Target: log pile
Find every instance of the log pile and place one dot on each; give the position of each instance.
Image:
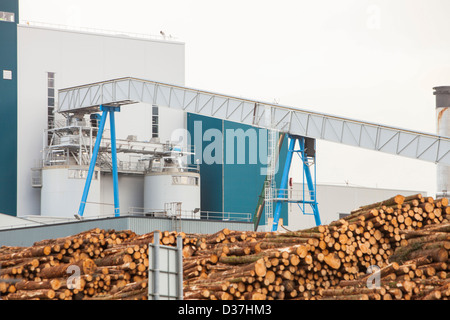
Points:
(110, 264)
(417, 271)
(406, 237)
(44, 270)
(305, 264)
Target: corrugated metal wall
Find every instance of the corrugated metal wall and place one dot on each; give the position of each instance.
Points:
(231, 186)
(8, 109)
(26, 236)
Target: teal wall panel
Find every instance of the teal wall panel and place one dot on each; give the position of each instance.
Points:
(234, 184)
(8, 109)
(211, 192)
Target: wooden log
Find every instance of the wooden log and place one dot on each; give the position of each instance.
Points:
(332, 260)
(351, 291)
(53, 284)
(116, 259)
(31, 294)
(28, 253)
(362, 296)
(86, 266)
(396, 200)
(437, 254)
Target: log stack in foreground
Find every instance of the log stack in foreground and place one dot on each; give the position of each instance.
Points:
(417, 271)
(405, 237)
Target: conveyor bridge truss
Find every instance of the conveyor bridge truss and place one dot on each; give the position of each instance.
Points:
(295, 122)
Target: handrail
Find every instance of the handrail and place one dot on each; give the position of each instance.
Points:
(204, 215)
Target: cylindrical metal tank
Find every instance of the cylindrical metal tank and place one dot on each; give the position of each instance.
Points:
(62, 188)
(443, 129)
(164, 189)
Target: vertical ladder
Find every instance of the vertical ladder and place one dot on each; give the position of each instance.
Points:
(260, 206)
(173, 210)
(272, 151)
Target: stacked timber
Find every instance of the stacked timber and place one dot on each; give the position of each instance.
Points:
(417, 271)
(406, 238)
(305, 264)
(46, 270)
(110, 264)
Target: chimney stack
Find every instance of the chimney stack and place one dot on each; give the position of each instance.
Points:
(443, 129)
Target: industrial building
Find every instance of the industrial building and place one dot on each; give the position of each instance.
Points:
(171, 156)
(46, 179)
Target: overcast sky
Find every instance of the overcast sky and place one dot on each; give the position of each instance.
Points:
(374, 60)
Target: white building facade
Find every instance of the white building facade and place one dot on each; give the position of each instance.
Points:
(50, 58)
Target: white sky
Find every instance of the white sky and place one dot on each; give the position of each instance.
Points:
(374, 60)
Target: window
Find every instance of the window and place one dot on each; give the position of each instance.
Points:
(155, 122)
(7, 74)
(50, 99)
(193, 181)
(7, 16)
(81, 174)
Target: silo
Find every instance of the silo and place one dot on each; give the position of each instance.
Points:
(443, 129)
(62, 187)
(172, 189)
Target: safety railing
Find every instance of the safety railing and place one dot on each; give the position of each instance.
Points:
(185, 214)
(293, 195)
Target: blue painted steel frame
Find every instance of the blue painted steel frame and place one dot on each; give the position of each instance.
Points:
(285, 177)
(283, 184)
(105, 110)
(114, 161)
(309, 181)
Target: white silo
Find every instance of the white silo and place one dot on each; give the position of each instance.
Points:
(172, 188)
(62, 187)
(443, 129)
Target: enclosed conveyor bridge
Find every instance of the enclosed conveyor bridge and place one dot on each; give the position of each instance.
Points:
(286, 119)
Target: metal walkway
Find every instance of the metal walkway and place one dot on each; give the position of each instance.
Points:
(117, 92)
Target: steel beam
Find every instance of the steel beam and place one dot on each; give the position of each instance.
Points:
(309, 181)
(105, 110)
(283, 183)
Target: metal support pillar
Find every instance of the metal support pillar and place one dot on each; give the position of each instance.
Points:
(105, 110)
(311, 185)
(155, 265)
(284, 181)
(114, 162)
(180, 268)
